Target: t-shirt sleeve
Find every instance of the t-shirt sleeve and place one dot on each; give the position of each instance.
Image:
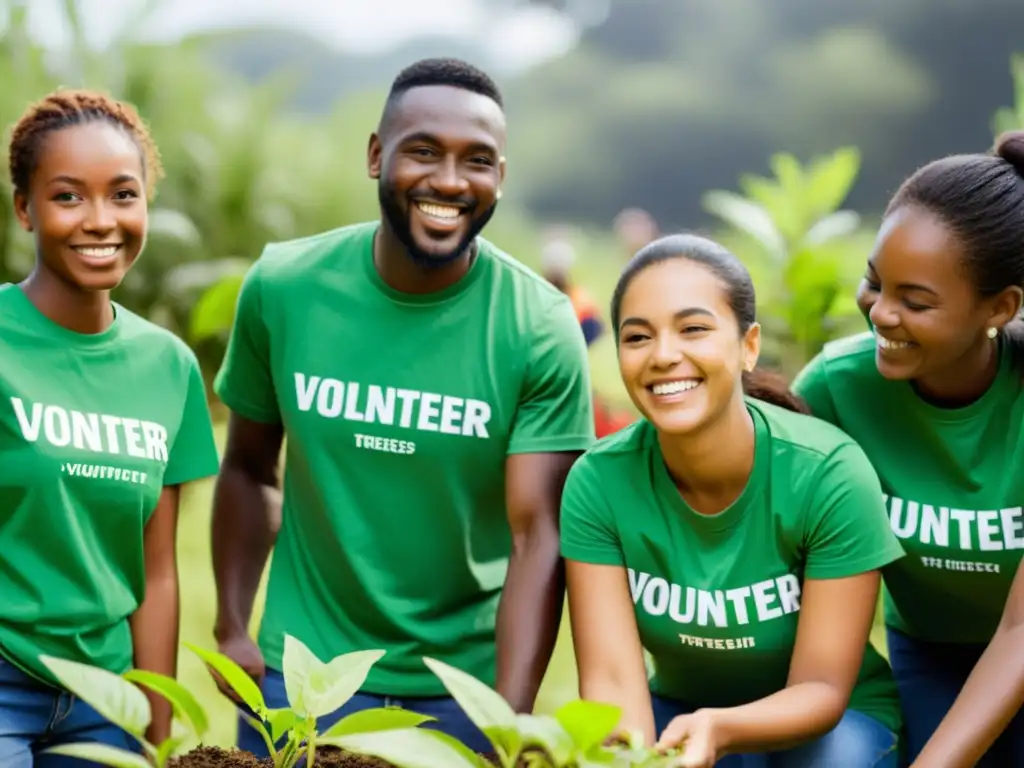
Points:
(556, 410)
(193, 454)
(847, 530)
(244, 382)
(812, 385)
(588, 530)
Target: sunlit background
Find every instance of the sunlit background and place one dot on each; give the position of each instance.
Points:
(781, 128)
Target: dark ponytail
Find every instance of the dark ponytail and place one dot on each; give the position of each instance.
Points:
(772, 388)
(760, 384)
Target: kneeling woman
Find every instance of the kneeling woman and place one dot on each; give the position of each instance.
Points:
(737, 541)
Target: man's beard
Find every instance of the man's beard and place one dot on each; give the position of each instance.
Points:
(399, 223)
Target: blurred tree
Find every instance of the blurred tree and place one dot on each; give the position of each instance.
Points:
(802, 249)
(241, 169)
(1011, 118)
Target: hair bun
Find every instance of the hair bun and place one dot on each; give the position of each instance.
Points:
(1010, 147)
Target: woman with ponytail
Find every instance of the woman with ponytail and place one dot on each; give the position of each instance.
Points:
(736, 539)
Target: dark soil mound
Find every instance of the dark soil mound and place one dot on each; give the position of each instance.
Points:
(332, 757)
(215, 757)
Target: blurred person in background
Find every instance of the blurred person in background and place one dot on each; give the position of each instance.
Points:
(557, 258)
(434, 393)
(635, 228)
(934, 394)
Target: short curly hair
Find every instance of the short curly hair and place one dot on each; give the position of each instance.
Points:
(66, 108)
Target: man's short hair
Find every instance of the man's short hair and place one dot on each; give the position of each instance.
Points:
(442, 71)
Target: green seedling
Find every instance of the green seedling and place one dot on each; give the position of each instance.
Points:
(576, 736)
(119, 699)
(314, 689)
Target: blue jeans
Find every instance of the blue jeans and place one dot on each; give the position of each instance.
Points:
(34, 717)
(858, 741)
(929, 677)
(449, 715)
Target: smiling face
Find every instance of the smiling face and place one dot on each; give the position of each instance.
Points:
(439, 164)
(86, 205)
(681, 350)
(929, 321)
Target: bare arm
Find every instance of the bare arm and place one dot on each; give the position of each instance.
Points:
(835, 622)
(531, 602)
(990, 698)
(243, 533)
(154, 625)
(609, 655)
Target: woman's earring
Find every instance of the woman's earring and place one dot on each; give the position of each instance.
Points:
(993, 332)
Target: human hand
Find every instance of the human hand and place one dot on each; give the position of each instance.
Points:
(695, 736)
(241, 649)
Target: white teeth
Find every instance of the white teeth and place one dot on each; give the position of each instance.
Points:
(885, 343)
(98, 253)
(439, 211)
(674, 387)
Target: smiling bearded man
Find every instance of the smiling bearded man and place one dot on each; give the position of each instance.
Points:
(435, 393)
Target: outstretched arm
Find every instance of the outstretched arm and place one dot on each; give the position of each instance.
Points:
(531, 602)
(847, 540)
(835, 621)
(990, 698)
(609, 655)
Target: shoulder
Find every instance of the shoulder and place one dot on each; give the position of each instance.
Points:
(804, 440)
(157, 341)
(531, 292)
(617, 453)
(849, 355)
(282, 261)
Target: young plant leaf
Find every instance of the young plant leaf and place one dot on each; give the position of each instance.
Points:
(547, 733)
(281, 721)
(376, 719)
(486, 708)
(483, 705)
(406, 747)
(184, 703)
(588, 723)
(167, 748)
(316, 689)
(297, 663)
(113, 697)
(102, 754)
(234, 676)
(459, 747)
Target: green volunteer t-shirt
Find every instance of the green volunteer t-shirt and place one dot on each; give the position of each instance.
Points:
(953, 487)
(400, 412)
(717, 597)
(92, 427)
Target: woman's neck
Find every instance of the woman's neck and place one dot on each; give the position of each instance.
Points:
(87, 312)
(965, 381)
(712, 468)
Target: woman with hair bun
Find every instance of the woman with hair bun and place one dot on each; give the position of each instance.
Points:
(934, 394)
